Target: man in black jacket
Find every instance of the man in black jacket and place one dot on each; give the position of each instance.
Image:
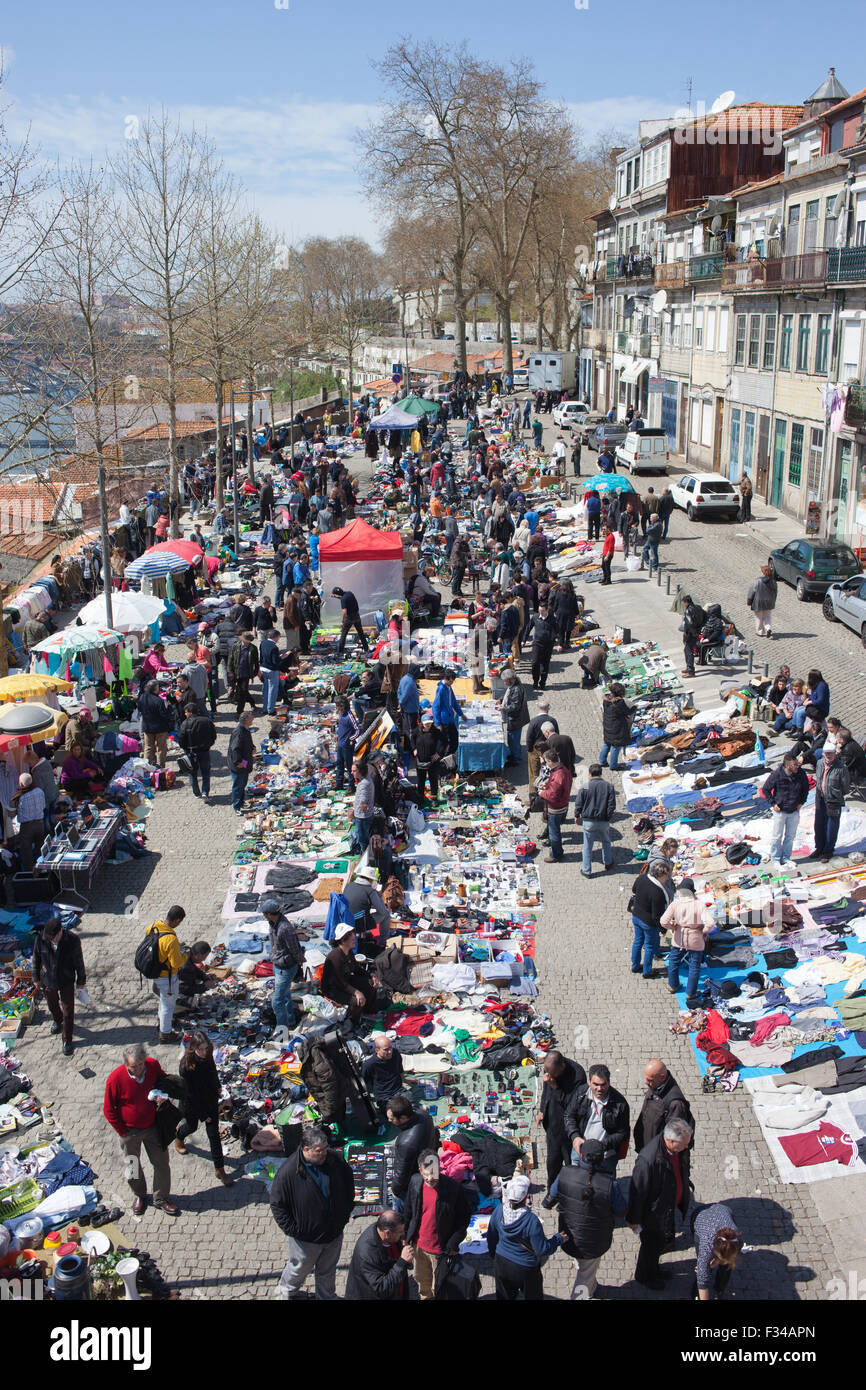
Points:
(156, 724)
(381, 1262)
(543, 633)
(416, 1132)
(694, 618)
(515, 714)
(240, 757)
(594, 807)
(58, 966)
(663, 1101)
(534, 735)
(311, 1201)
(659, 1188)
(786, 789)
(561, 1078)
(589, 1199)
(597, 1111)
(437, 1215)
(197, 736)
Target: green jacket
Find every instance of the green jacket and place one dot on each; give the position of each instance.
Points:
(234, 658)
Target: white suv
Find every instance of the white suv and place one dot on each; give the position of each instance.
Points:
(706, 494)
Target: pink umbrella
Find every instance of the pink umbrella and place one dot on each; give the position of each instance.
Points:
(187, 550)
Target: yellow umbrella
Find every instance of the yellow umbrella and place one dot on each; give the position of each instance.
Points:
(29, 686)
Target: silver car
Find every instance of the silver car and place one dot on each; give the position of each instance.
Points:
(846, 603)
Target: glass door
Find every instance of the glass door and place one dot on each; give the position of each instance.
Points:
(842, 485)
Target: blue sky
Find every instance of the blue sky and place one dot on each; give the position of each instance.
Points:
(282, 90)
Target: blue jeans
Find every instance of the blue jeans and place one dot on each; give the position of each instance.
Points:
(239, 786)
(596, 830)
(270, 690)
(799, 718)
(614, 756)
(284, 1009)
(646, 939)
(363, 826)
(650, 548)
(783, 722)
(513, 736)
(554, 830)
(666, 521)
(694, 959)
(344, 764)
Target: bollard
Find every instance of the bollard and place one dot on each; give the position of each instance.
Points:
(668, 584)
(766, 670)
(751, 660)
(659, 576)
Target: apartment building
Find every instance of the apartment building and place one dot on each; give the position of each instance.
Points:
(731, 311)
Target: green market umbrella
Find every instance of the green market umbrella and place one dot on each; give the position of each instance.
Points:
(417, 405)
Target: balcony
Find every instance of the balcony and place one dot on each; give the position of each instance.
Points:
(846, 266)
(855, 406)
(621, 341)
(596, 338)
(671, 276)
(636, 268)
(706, 267)
(780, 273)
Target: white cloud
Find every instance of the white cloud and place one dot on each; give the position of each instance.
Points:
(616, 113)
(7, 57)
(297, 158)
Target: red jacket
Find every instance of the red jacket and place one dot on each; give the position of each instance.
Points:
(609, 546)
(557, 789)
(126, 1104)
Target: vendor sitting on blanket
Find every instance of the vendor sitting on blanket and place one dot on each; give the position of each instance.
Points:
(79, 776)
(344, 980)
(154, 661)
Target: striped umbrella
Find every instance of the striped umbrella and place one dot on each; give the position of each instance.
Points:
(152, 565)
(187, 550)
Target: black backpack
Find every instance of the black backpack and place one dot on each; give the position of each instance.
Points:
(146, 959)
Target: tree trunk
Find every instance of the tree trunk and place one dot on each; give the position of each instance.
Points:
(539, 327)
(173, 490)
(219, 489)
(507, 354)
(251, 472)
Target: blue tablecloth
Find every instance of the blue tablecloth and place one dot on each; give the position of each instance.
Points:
(480, 757)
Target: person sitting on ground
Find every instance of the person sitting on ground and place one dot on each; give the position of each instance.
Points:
(344, 980)
(154, 661)
(79, 776)
(383, 1072)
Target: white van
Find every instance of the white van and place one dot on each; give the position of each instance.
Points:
(644, 451)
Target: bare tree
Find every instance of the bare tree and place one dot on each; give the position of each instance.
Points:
(416, 152)
(517, 145)
(345, 281)
(260, 311)
(165, 176)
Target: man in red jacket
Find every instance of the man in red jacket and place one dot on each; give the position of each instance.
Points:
(555, 791)
(607, 549)
(130, 1112)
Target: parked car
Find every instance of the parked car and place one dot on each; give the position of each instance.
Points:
(706, 494)
(606, 436)
(644, 451)
(438, 393)
(567, 412)
(521, 378)
(846, 603)
(584, 425)
(813, 565)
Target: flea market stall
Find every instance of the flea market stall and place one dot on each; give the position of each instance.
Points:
(365, 561)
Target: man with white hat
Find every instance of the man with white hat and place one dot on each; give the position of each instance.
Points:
(344, 980)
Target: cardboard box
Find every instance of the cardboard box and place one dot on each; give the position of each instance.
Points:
(416, 950)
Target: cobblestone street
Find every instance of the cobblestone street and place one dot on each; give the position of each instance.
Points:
(225, 1243)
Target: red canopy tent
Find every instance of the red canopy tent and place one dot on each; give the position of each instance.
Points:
(364, 560)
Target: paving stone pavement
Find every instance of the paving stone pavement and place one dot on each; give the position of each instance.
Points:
(225, 1244)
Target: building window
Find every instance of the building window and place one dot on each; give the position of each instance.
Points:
(792, 240)
(769, 342)
(676, 329)
(711, 330)
(816, 450)
(666, 330)
(822, 344)
(707, 424)
(785, 342)
(748, 440)
(687, 328)
(754, 339)
(734, 457)
(795, 457)
(724, 315)
(830, 224)
(699, 328)
(740, 345)
(810, 231)
(804, 334)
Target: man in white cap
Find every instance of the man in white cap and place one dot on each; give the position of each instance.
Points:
(344, 981)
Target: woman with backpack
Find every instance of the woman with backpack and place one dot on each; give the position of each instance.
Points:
(518, 1245)
(200, 1100)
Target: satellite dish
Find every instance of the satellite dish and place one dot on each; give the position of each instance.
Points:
(722, 103)
(839, 202)
(659, 301)
(612, 202)
(716, 224)
(773, 228)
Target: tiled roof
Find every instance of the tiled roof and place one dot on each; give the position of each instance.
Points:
(183, 428)
(434, 362)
